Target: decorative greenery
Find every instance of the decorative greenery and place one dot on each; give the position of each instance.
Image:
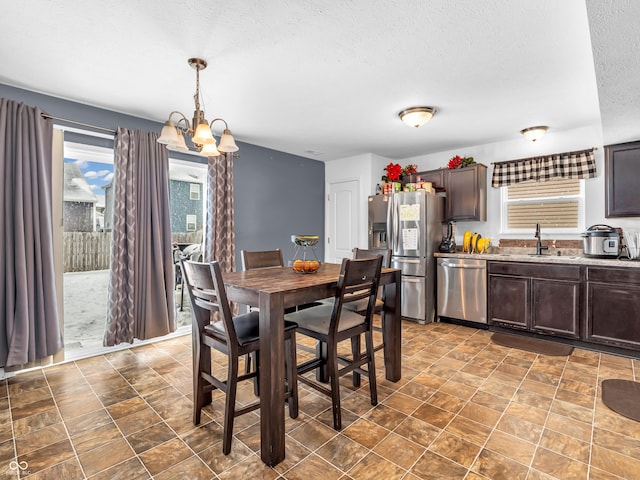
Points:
(410, 169)
(460, 162)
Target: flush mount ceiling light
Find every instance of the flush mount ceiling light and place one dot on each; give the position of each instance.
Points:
(534, 133)
(417, 116)
(199, 130)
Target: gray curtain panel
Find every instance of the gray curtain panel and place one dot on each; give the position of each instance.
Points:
(220, 242)
(141, 282)
(29, 323)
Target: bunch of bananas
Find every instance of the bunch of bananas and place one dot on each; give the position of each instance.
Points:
(473, 242)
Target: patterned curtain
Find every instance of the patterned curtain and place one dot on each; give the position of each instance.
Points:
(29, 322)
(580, 164)
(141, 283)
(220, 236)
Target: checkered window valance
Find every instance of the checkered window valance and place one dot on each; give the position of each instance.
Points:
(580, 164)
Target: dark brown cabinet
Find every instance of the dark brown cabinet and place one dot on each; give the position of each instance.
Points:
(535, 297)
(466, 190)
(436, 177)
(613, 307)
(466, 193)
(622, 177)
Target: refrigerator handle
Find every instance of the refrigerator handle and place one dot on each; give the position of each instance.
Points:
(390, 223)
(396, 226)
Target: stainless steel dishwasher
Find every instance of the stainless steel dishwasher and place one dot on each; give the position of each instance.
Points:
(462, 289)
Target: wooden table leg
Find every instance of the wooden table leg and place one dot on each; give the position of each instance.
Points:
(272, 375)
(392, 328)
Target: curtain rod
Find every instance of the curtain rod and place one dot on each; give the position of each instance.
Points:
(540, 156)
(111, 131)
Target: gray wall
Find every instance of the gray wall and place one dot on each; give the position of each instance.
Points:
(276, 194)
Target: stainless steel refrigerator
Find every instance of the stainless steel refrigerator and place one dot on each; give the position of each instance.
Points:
(410, 224)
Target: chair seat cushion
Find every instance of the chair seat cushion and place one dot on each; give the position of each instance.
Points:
(361, 305)
(247, 327)
(317, 319)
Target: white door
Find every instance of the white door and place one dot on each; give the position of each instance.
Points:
(342, 219)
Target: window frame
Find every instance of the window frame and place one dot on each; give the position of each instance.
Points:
(194, 194)
(505, 202)
(194, 222)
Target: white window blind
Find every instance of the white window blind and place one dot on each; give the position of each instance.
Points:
(556, 203)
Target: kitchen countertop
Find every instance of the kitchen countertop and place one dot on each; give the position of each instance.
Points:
(525, 257)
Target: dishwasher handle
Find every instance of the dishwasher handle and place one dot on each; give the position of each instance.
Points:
(466, 267)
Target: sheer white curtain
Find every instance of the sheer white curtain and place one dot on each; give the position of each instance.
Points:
(141, 283)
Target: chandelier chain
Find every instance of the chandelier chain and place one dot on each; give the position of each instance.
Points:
(196, 96)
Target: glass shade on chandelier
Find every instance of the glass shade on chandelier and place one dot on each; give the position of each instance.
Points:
(199, 129)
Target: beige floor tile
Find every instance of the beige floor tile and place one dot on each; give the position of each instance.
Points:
(455, 448)
(494, 465)
(399, 450)
(434, 466)
(465, 408)
(557, 465)
(313, 466)
(513, 447)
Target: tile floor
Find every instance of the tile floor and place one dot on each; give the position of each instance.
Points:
(464, 409)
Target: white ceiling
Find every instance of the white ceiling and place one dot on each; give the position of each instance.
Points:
(325, 79)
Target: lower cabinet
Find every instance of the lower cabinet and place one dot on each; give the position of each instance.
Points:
(613, 307)
(540, 298)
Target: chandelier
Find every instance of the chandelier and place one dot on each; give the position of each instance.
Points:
(199, 129)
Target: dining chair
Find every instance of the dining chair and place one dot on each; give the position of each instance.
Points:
(261, 259)
(361, 305)
(214, 327)
(191, 252)
(331, 324)
(268, 259)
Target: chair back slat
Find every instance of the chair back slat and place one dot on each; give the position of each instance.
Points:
(209, 297)
(359, 253)
(359, 278)
(262, 259)
(372, 252)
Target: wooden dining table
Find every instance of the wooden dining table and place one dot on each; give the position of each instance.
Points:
(273, 290)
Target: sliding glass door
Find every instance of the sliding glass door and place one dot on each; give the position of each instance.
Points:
(85, 202)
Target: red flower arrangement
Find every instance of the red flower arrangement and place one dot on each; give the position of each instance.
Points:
(409, 169)
(394, 171)
(460, 162)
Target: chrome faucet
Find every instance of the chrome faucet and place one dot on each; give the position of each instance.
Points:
(539, 247)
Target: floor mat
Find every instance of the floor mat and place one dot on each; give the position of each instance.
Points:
(623, 397)
(543, 347)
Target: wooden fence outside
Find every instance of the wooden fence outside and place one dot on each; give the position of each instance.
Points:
(86, 251)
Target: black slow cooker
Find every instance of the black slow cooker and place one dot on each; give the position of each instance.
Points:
(601, 241)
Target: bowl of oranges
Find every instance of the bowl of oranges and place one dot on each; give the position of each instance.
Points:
(305, 266)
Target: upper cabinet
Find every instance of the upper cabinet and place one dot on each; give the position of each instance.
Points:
(622, 177)
(436, 177)
(466, 190)
(466, 193)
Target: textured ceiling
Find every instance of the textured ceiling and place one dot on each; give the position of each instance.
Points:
(616, 53)
(322, 79)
